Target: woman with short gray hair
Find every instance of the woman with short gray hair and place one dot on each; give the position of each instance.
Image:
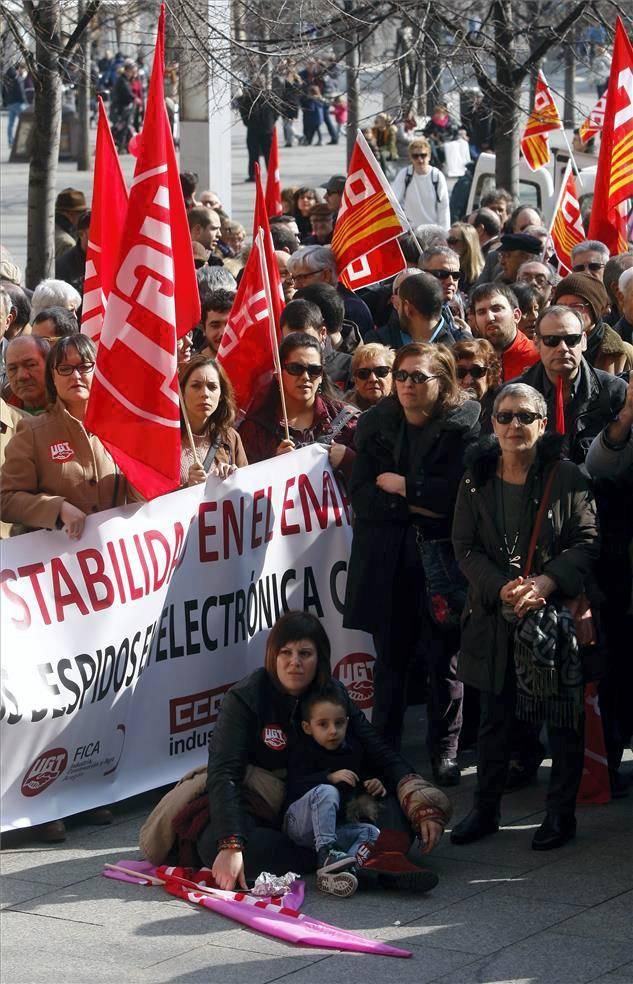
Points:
(526, 539)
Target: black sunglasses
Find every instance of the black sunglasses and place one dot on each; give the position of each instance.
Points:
(298, 369)
(420, 157)
(445, 274)
(523, 416)
(553, 341)
(477, 372)
(417, 376)
(594, 267)
(380, 372)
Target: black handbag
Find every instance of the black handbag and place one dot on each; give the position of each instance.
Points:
(444, 584)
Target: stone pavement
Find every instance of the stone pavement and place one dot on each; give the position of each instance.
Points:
(501, 914)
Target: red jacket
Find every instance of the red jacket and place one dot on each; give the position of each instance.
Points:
(518, 357)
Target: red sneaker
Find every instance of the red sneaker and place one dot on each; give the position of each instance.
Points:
(384, 864)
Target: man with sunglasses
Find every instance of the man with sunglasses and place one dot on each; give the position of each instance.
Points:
(497, 314)
(421, 189)
(589, 299)
(442, 263)
(590, 256)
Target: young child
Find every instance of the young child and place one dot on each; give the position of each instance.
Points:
(330, 799)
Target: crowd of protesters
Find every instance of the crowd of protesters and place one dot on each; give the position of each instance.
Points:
(479, 410)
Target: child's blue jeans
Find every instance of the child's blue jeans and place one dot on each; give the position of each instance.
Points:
(311, 822)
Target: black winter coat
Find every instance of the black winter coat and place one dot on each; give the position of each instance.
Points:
(309, 765)
(381, 519)
(566, 550)
(254, 727)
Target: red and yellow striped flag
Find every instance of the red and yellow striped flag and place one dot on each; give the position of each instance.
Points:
(614, 176)
(543, 118)
(594, 122)
(369, 215)
(567, 228)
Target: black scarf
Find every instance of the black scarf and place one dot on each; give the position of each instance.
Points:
(594, 341)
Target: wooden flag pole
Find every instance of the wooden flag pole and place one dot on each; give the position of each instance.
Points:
(192, 445)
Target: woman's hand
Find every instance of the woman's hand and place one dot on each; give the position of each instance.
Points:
(222, 469)
(393, 483)
(343, 775)
(532, 594)
(73, 520)
(375, 788)
(285, 446)
(336, 455)
(196, 474)
(429, 834)
(228, 870)
(506, 594)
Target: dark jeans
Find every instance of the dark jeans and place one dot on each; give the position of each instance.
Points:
(493, 753)
(411, 629)
(258, 145)
(268, 849)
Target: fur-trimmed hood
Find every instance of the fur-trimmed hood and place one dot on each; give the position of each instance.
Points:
(481, 458)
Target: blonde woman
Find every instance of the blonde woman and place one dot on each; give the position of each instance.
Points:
(463, 239)
(371, 372)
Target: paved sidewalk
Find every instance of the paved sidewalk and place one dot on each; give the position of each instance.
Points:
(501, 914)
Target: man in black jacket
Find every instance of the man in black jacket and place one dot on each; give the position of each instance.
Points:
(258, 116)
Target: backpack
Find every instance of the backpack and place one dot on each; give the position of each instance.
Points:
(435, 180)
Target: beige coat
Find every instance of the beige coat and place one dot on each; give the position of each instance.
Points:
(9, 420)
(53, 458)
(614, 355)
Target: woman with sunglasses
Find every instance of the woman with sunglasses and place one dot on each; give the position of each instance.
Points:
(463, 239)
(56, 473)
(518, 644)
(409, 451)
(314, 417)
(210, 405)
(478, 374)
(371, 372)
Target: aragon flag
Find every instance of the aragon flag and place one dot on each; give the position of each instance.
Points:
(594, 122)
(543, 118)
(567, 228)
(614, 177)
(369, 218)
(154, 299)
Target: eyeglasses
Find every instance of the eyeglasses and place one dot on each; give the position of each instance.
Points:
(298, 369)
(553, 341)
(477, 372)
(579, 307)
(83, 368)
(419, 157)
(534, 278)
(523, 416)
(417, 376)
(380, 372)
(592, 267)
(298, 277)
(455, 275)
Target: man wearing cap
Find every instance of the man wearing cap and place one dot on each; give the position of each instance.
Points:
(69, 205)
(516, 248)
(588, 297)
(497, 314)
(322, 225)
(334, 192)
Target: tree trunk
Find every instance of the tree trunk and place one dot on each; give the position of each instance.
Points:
(570, 81)
(47, 112)
(507, 149)
(352, 62)
(83, 99)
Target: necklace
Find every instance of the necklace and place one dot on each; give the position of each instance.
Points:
(514, 559)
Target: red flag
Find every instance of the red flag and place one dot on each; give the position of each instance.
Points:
(594, 122)
(567, 228)
(369, 215)
(273, 181)
(249, 343)
(109, 205)
(260, 221)
(543, 118)
(371, 268)
(614, 177)
(134, 404)
(594, 785)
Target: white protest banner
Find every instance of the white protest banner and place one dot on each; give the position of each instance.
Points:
(118, 649)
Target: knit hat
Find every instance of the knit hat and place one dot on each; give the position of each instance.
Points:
(336, 184)
(70, 200)
(583, 285)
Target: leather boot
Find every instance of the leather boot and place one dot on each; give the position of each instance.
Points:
(479, 823)
(384, 864)
(555, 831)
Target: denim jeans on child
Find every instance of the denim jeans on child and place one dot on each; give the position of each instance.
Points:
(311, 822)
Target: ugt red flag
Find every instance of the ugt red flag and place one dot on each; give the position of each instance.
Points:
(109, 205)
(273, 180)
(248, 348)
(567, 228)
(134, 404)
(369, 216)
(260, 221)
(614, 177)
(543, 118)
(594, 122)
